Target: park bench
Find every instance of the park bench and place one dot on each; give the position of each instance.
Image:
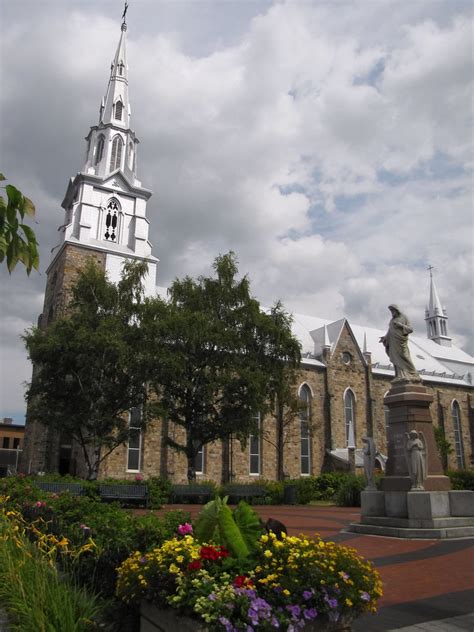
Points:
(124, 493)
(53, 487)
(191, 493)
(237, 492)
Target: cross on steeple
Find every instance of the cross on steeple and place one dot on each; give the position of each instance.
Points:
(123, 16)
(430, 268)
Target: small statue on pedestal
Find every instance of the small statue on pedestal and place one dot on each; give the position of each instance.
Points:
(369, 462)
(416, 453)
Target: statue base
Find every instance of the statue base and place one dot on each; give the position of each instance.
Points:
(409, 409)
(417, 514)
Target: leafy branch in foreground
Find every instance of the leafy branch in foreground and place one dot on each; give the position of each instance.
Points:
(17, 240)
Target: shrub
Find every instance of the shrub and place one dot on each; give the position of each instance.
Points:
(326, 485)
(274, 492)
(462, 479)
(159, 490)
(348, 494)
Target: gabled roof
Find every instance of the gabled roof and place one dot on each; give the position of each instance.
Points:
(433, 361)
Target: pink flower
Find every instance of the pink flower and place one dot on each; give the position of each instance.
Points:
(185, 528)
(83, 526)
(40, 504)
(138, 477)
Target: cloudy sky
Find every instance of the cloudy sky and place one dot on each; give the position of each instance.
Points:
(328, 143)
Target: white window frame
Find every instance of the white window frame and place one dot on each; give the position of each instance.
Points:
(349, 394)
(201, 452)
(305, 435)
(255, 440)
(134, 449)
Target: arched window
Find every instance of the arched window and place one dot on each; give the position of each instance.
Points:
(130, 156)
(305, 418)
(116, 155)
(349, 414)
(458, 446)
(112, 220)
(100, 149)
(118, 110)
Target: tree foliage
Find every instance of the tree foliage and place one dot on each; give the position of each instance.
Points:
(221, 357)
(89, 370)
(17, 239)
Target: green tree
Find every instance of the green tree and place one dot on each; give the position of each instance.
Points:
(219, 357)
(89, 370)
(17, 239)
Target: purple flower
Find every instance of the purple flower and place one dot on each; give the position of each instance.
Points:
(332, 603)
(212, 597)
(295, 611)
(310, 613)
(365, 596)
(307, 594)
(143, 560)
(227, 624)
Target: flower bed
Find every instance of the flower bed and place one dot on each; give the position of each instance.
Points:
(289, 583)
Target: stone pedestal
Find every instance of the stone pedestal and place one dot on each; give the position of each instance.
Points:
(398, 510)
(409, 409)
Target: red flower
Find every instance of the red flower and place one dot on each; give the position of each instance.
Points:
(194, 566)
(212, 553)
(242, 580)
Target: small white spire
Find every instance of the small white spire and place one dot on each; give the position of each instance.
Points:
(436, 316)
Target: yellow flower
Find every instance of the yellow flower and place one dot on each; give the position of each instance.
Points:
(349, 603)
(286, 592)
(268, 553)
(173, 569)
(180, 559)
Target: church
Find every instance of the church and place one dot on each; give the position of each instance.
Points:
(344, 373)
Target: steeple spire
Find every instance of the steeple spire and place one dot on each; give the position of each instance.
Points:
(116, 108)
(436, 317)
(105, 203)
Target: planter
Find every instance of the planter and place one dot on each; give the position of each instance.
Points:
(153, 619)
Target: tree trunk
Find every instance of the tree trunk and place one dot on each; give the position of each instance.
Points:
(225, 461)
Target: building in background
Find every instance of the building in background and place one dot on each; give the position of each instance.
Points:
(344, 371)
(11, 446)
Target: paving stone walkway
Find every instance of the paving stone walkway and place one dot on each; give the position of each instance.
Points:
(428, 584)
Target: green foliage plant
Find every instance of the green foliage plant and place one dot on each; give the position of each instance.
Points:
(462, 479)
(238, 530)
(443, 446)
(36, 597)
(17, 239)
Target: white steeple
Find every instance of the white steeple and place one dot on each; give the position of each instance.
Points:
(436, 317)
(105, 203)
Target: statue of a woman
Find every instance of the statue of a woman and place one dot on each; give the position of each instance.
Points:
(415, 451)
(395, 342)
(369, 462)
